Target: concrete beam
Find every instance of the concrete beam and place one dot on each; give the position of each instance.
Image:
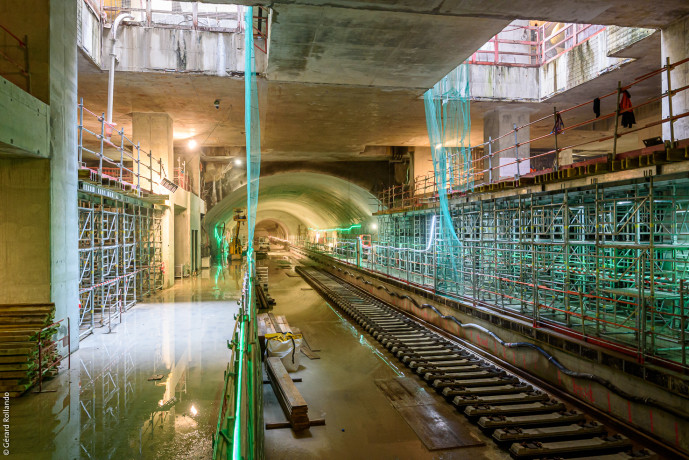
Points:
(24, 123)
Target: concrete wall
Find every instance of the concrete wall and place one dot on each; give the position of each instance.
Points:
(576, 67)
(142, 49)
(64, 219)
(154, 132)
(24, 230)
(621, 39)
(500, 83)
(423, 162)
(583, 63)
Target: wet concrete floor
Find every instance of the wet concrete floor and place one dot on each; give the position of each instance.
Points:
(105, 407)
(340, 387)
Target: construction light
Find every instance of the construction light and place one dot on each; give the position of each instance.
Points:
(192, 144)
(374, 226)
(238, 161)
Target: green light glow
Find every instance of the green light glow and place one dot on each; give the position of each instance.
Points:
(337, 229)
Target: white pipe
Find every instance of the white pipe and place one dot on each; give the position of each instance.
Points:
(111, 78)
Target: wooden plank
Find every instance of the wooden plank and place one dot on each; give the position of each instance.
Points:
(404, 391)
(309, 354)
(293, 404)
(438, 426)
(275, 323)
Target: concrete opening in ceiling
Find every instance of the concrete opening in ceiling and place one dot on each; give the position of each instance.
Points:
(296, 201)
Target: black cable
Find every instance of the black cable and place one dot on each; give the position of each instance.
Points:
(595, 378)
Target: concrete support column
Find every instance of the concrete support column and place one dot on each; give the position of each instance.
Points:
(154, 132)
(64, 219)
(497, 123)
(675, 45)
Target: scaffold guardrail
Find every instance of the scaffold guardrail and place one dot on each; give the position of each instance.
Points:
(487, 172)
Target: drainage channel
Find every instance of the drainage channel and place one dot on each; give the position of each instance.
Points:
(517, 415)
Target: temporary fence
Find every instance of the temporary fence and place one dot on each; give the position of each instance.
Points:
(524, 45)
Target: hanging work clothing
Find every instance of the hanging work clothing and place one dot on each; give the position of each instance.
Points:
(596, 107)
(559, 126)
(626, 111)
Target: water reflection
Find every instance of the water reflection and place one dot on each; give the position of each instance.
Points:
(149, 389)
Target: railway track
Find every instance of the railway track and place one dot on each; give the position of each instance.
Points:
(526, 420)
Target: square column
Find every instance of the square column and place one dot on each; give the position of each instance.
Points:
(504, 165)
(153, 130)
(675, 45)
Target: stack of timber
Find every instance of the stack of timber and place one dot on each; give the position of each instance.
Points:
(265, 301)
(292, 402)
(21, 330)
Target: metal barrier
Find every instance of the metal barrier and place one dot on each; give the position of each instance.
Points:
(543, 44)
(176, 14)
(239, 433)
(486, 169)
(109, 157)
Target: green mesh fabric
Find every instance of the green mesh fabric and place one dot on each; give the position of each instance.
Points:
(253, 133)
(449, 124)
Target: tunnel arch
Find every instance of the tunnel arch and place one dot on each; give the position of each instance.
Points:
(298, 198)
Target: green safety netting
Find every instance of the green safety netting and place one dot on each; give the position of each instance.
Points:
(253, 133)
(449, 125)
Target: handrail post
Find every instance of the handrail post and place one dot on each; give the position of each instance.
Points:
(682, 322)
(102, 140)
(669, 102)
(121, 155)
(138, 168)
(490, 159)
(617, 121)
(516, 148)
(150, 170)
(81, 132)
(556, 163)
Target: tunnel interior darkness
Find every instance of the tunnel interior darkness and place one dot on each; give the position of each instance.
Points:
(294, 200)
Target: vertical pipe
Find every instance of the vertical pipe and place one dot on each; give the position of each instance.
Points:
(81, 131)
(651, 260)
(566, 250)
(113, 59)
(121, 165)
(581, 311)
(490, 159)
(100, 154)
(138, 168)
(516, 150)
(683, 323)
(669, 101)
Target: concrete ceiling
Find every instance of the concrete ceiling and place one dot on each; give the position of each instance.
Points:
(345, 46)
(317, 122)
(298, 121)
(629, 13)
